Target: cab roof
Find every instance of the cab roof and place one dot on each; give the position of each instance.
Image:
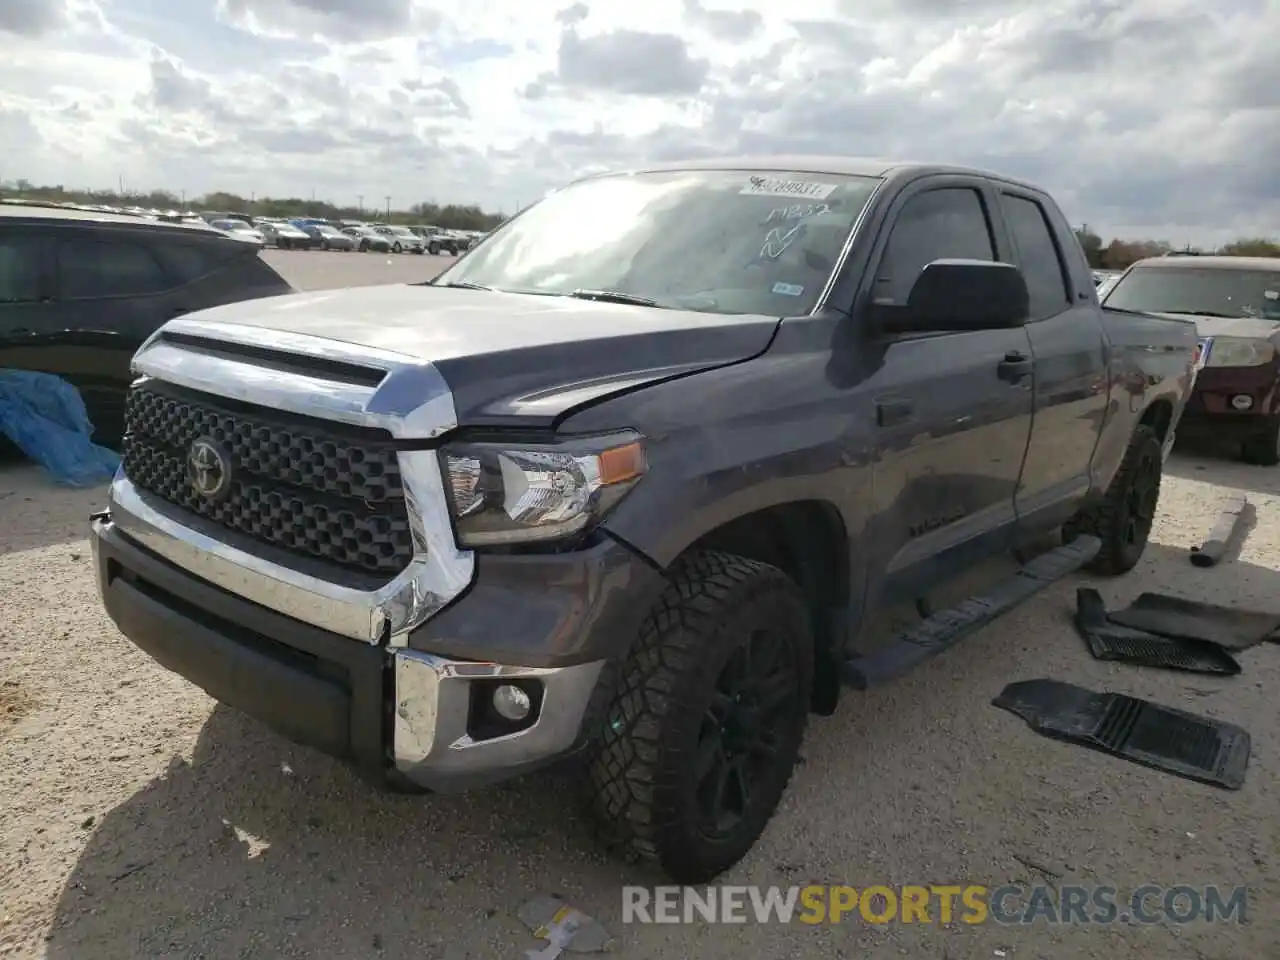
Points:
(819, 164)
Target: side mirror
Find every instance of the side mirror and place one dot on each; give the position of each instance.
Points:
(960, 295)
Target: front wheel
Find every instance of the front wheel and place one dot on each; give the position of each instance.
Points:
(1263, 450)
(1124, 518)
(434, 250)
(397, 249)
(693, 754)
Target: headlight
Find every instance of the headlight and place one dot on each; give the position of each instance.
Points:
(1240, 352)
(524, 493)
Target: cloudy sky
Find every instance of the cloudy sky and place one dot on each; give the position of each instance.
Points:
(1144, 117)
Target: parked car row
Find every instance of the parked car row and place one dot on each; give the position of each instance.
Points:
(308, 233)
(298, 233)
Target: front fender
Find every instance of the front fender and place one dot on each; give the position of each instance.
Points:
(730, 442)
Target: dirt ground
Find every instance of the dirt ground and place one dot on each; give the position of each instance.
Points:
(317, 269)
(140, 819)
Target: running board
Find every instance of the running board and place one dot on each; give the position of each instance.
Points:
(945, 628)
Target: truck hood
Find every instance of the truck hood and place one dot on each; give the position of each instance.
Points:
(512, 357)
(1257, 327)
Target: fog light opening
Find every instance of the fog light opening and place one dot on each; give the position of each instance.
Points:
(1242, 401)
(501, 707)
(511, 703)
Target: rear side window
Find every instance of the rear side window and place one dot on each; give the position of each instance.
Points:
(192, 261)
(107, 268)
(20, 269)
(1038, 256)
(950, 223)
(244, 278)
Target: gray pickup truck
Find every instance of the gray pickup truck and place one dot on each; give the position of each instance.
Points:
(625, 495)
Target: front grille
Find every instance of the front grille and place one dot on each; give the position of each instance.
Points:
(307, 486)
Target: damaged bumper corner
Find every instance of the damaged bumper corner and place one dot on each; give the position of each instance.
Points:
(396, 715)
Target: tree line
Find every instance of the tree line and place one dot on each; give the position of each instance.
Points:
(1118, 254)
(450, 216)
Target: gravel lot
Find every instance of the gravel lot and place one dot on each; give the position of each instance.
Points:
(318, 269)
(139, 819)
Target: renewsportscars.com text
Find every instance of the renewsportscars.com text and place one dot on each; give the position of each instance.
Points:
(936, 904)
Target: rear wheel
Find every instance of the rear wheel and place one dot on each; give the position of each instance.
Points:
(1124, 518)
(705, 724)
(1264, 449)
(434, 249)
(397, 248)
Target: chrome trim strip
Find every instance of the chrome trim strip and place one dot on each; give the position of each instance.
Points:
(413, 401)
(847, 250)
(430, 743)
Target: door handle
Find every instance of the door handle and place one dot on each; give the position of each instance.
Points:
(894, 410)
(1014, 366)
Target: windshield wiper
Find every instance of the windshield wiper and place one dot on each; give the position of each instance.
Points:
(613, 296)
(461, 285)
(1205, 313)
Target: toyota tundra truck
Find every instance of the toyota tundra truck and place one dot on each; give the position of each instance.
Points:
(622, 492)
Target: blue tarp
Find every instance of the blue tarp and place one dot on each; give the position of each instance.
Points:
(45, 416)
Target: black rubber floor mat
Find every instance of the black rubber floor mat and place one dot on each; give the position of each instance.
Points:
(1146, 733)
(1229, 628)
(1110, 641)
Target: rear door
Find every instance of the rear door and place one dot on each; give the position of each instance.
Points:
(26, 288)
(110, 294)
(1070, 348)
(953, 409)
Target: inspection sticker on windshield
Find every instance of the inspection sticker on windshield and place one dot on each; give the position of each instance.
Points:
(788, 289)
(780, 187)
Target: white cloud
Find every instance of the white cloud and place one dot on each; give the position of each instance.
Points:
(1154, 117)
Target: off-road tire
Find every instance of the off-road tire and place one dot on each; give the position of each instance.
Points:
(1109, 519)
(1264, 449)
(639, 777)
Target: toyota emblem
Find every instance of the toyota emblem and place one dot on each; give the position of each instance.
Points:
(208, 469)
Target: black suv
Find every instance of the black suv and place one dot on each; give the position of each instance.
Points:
(81, 290)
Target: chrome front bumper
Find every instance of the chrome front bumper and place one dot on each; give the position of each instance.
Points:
(255, 667)
(430, 742)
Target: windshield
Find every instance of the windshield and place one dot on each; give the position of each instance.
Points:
(1206, 291)
(717, 241)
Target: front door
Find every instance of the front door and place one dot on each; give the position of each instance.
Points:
(953, 410)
